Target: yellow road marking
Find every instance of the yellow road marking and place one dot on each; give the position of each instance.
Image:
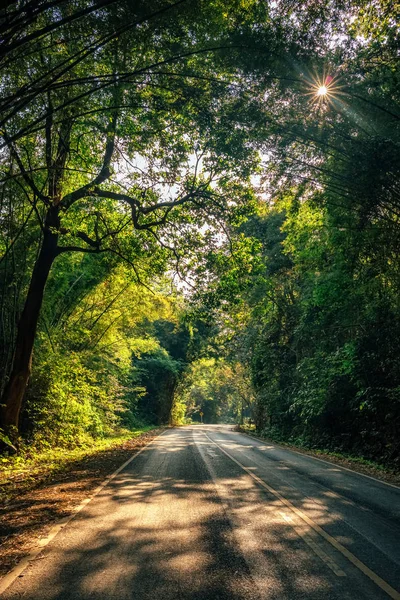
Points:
(302, 532)
(349, 555)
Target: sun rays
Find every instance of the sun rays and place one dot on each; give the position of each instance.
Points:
(323, 90)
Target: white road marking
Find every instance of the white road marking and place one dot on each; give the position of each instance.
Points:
(8, 579)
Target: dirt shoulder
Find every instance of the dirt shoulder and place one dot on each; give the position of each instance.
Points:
(354, 464)
(32, 505)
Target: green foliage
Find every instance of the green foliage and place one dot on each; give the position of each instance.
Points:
(159, 371)
(40, 461)
(186, 140)
(316, 320)
(218, 389)
(97, 329)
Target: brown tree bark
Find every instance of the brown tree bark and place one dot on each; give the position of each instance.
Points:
(14, 391)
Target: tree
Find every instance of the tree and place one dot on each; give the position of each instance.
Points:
(85, 382)
(219, 389)
(91, 91)
(317, 322)
(160, 370)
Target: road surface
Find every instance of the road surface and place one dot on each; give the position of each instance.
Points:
(205, 513)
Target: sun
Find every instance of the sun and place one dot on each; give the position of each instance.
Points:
(323, 90)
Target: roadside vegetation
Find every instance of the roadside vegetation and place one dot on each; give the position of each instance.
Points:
(372, 468)
(199, 221)
(33, 467)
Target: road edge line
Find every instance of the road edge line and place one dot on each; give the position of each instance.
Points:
(381, 583)
(12, 575)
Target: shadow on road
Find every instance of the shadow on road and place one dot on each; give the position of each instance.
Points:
(161, 530)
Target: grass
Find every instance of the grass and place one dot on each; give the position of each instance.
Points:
(356, 463)
(39, 462)
(354, 459)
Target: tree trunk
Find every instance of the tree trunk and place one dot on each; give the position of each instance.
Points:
(14, 391)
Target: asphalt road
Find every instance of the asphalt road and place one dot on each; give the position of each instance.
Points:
(205, 513)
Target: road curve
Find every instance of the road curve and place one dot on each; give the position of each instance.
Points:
(205, 513)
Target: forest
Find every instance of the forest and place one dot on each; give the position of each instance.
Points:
(200, 220)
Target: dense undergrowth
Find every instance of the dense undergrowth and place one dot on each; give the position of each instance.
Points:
(39, 462)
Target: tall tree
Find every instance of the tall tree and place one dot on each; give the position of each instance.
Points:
(116, 118)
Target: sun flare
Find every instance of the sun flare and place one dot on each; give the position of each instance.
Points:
(323, 90)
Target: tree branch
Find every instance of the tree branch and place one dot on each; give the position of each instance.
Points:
(104, 173)
(4, 49)
(63, 249)
(24, 173)
(85, 238)
(13, 241)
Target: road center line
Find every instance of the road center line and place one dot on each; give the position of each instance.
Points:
(344, 551)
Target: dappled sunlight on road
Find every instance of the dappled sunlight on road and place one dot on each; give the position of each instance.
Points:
(185, 522)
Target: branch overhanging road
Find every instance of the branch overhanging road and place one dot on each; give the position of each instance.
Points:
(205, 513)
